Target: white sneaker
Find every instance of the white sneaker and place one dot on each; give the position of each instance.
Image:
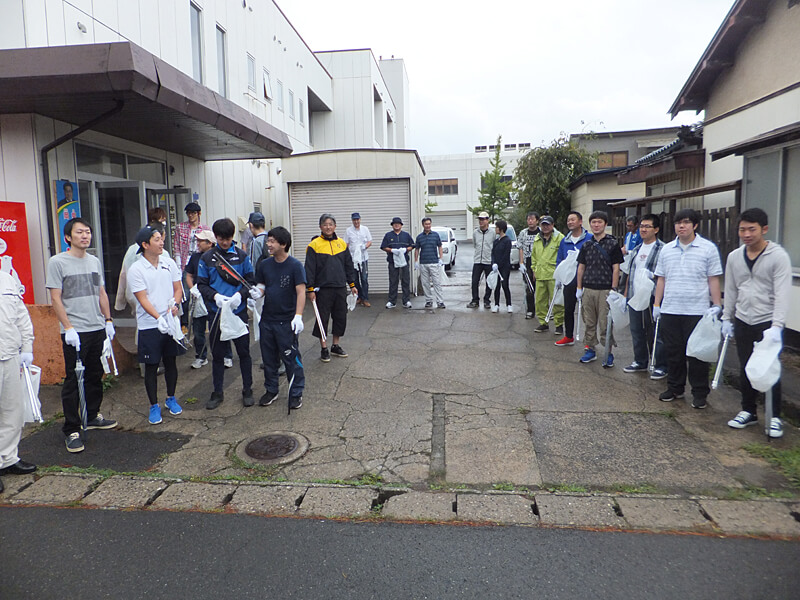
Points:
(775, 428)
(390, 305)
(510, 309)
(528, 315)
(407, 304)
(199, 362)
(228, 362)
(496, 308)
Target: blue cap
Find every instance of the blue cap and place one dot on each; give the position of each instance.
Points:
(355, 216)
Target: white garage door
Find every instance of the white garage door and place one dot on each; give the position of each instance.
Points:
(378, 201)
(456, 222)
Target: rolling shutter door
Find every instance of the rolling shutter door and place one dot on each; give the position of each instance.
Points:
(378, 201)
(458, 223)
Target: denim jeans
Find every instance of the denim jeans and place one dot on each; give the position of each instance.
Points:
(642, 331)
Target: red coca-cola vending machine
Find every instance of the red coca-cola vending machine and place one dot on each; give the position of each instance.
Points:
(15, 251)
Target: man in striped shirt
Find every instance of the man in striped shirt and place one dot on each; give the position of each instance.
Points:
(688, 287)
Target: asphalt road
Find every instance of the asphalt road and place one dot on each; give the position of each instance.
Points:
(61, 553)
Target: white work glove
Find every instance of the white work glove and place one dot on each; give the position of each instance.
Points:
(297, 324)
(656, 313)
(440, 262)
(195, 291)
(235, 301)
(71, 338)
(727, 328)
(650, 274)
(163, 326)
(578, 294)
(713, 311)
(255, 293)
(26, 358)
(774, 334)
(495, 268)
(110, 331)
(220, 300)
(416, 266)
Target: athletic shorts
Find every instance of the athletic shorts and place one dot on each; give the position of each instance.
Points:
(153, 345)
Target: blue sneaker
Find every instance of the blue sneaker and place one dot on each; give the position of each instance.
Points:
(609, 361)
(173, 406)
(589, 355)
(155, 414)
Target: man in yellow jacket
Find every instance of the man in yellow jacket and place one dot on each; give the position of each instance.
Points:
(543, 265)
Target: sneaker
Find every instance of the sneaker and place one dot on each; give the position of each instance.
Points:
(390, 305)
(295, 403)
(155, 414)
(215, 400)
(429, 305)
(267, 399)
(528, 315)
(559, 330)
(441, 305)
(669, 396)
(542, 328)
(496, 308)
(635, 367)
(199, 362)
(473, 304)
(74, 443)
(228, 362)
(325, 355)
(742, 420)
(588, 356)
(487, 305)
(658, 374)
(247, 398)
(407, 304)
(609, 362)
(100, 423)
(337, 350)
(173, 406)
(775, 428)
(699, 403)
(509, 309)
(566, 341)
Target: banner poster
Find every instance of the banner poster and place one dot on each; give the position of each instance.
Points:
(68, 206)
(15, 253)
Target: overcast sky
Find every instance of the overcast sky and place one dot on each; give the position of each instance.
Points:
(526, 69)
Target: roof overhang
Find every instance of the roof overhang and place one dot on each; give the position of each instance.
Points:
(720, 54)
(776, 137)
(672, 163)
(162, 106)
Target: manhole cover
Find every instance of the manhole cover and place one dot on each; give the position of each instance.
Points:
(273, 448)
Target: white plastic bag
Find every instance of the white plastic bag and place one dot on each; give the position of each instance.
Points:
(625, 267)
(559, 294)
(703, 344)
(32, 408)
(642, 290)
(351, 301)
(566, 270)
(492, 279)
(764, 368)
(399, 259)
(200, 309)
(231, 327)
(618, 309)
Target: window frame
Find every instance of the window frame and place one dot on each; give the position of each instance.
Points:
(196, 30)
(251, 81)
(221, 35)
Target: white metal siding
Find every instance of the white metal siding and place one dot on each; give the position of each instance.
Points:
(456, 222)
(378, 201)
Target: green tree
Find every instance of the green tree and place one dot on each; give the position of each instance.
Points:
(542, 179)
(495, 191)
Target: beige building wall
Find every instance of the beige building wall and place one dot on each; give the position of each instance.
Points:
(603, 189)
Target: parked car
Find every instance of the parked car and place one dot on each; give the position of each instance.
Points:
(449, 246)
(514, 251)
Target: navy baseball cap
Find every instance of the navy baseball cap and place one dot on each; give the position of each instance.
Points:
(355, 216)
(144, 235)
(256, 218)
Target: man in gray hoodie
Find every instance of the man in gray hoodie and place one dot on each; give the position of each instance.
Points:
(758, 285)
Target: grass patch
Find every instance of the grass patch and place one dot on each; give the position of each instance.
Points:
(503, 487)
(49, 422)
(786, 459)
(190, 400)
(644, 488)
(523, 411)
(670, 414)
(752, 492)
(566, 487)
(109, 381)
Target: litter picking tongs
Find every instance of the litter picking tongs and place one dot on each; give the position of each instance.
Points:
(652, 366)
(322, 335)
(33, 402)
(720, 362)
(527, 279)
(552, 303)
(609, 327)
(578, 321)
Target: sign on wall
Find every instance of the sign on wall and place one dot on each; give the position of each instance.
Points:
(15, 253)
(68, 206)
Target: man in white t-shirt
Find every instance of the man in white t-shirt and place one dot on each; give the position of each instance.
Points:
(358, 240)
(645, 257)
(155, 282)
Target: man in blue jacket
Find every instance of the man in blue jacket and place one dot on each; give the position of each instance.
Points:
(574, 240)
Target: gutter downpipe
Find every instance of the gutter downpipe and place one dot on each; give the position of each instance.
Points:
(48, 199)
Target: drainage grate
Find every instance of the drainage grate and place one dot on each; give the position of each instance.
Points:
(271, 447)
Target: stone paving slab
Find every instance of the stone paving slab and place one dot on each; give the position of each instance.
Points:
(125, 492)
(587, 511)
(338, 502)
(57, 489)
(267, 499)
(496, 508)
(194, 496)
(420, 506)
(14, 484)
(736, 516)
(663, 513)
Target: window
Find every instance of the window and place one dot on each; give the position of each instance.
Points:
(221, 63)
(608, 160)
(279, 94)
(291, 104)
(510, 147)
(197, 42)
(251, 72)
(480, 148)
(267, 86)
(524, 146)
(442, 187)
(302, 112)
(503, 179)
